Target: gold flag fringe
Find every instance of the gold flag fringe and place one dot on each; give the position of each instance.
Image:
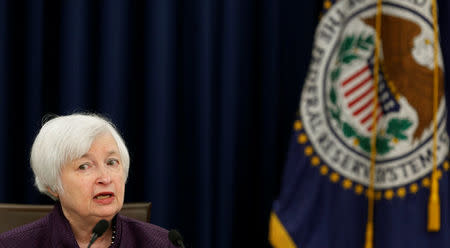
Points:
(434, 209)
(373, 139)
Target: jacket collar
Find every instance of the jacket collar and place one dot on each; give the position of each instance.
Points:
(61, 234)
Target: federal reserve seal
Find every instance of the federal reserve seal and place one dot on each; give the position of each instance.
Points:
(336, 104)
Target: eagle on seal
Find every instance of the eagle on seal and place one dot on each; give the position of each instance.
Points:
(405, 76)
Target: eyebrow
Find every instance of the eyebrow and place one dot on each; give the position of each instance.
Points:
(112, 152)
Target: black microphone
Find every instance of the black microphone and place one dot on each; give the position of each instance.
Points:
(98, 231)
(175, 238)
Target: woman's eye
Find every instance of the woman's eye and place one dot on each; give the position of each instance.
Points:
(113, 162)
(83, 167)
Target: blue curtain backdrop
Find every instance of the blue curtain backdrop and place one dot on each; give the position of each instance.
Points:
(204, 93)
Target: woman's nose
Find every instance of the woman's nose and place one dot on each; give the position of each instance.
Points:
(104, 176)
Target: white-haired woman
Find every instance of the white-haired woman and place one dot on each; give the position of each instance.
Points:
(81, 161)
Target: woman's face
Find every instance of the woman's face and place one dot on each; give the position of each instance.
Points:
(94, 184)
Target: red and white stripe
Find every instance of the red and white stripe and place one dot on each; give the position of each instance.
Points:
(358, 92)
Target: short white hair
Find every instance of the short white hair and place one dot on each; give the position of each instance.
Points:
(65, 138)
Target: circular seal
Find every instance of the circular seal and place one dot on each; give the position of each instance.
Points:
(337, 107)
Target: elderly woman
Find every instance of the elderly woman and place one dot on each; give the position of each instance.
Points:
(81, 161)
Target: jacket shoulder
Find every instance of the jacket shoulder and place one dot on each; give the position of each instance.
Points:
(142, 234)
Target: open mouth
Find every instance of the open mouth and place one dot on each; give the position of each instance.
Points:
(103, 195)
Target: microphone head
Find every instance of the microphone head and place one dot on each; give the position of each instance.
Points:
(100, 227)
(175, 238)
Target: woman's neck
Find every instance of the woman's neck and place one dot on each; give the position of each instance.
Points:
(83, 237)
(82, 231)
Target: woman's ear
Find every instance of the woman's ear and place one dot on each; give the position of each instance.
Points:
(53, 193)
